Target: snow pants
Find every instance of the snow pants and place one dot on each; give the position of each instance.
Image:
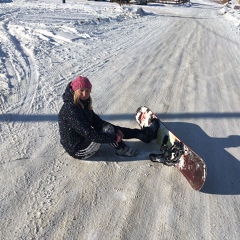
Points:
(87, 149)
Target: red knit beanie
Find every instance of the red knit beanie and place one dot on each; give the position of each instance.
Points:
(81, 82)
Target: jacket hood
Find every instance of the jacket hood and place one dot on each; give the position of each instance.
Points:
(68, 94)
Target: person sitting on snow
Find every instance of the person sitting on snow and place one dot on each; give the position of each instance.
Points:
(82, 131)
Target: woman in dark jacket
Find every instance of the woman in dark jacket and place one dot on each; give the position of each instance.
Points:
(82, 131)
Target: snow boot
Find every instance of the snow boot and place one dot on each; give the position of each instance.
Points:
(149, 133)
(127, 151)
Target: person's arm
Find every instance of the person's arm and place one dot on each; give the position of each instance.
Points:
(82, 127)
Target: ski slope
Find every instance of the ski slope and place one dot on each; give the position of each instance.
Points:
(181, 61)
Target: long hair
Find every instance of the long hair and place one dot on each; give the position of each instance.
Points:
(77, 102)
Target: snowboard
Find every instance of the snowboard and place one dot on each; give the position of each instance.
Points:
(173, 152)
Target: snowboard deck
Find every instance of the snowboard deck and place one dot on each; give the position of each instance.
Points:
(178, 154)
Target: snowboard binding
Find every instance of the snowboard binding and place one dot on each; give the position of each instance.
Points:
(168, 156)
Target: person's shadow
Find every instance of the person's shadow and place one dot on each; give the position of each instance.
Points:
(5, 1)
(223, 169)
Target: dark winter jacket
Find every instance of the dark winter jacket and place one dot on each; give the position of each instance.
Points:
(76, 124)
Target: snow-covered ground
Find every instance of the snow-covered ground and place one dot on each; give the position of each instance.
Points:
(181, 61)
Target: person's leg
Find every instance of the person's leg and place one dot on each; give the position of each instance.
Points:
(121, 148)
(147, 134)
(129, 133)
(86, 150)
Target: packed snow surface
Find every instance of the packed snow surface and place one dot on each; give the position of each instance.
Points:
(181, 61)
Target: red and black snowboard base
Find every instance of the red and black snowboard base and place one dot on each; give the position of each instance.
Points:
(173, 151)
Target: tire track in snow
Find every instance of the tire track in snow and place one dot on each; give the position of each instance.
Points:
(23, 74)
